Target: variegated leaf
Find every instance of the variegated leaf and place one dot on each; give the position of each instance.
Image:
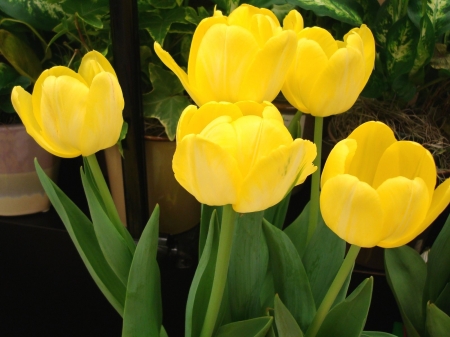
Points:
(347, 11)
(401, 47)
(416, 10)
(439, 13)
(370, 10)
(425, 46)
(389, 13)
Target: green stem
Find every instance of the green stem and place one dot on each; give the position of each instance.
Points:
(333, 291)
(315, 180)
(221, 270)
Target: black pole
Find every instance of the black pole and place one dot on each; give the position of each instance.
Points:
(125, 46)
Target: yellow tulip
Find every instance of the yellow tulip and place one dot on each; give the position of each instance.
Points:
(377, 191)
(327, 76)
(71, 114)
(244, 56)
(239, 154)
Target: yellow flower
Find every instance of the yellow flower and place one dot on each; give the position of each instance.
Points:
(327, 76)
(71, 114)
(244, 56)
(239, 154)
(377, 191)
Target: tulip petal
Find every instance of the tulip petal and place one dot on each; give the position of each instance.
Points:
(223, 58)
(264, 109)
(199, 164)
(352, 209)
(338, 86)
(275, 58)
(339, 159)
(373, 138)
(309, 62)
(321, 36)
(194, 120)
(23, 105)
(63, 109)
(256, 138)
(441, 199)
(92, 64)
(409, 160)
(293, 21)
(405, 203)
(309, 150)
(244, 14)
(103, 120)
(271, 178)
(181, 74)
(369, 48)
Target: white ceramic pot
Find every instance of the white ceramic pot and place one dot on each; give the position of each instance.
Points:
(20, 189)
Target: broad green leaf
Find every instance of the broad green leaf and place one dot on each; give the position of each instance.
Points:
(277, 213)
(262, 3)
(347, 319)
(112, 244)
(89, 11)
(158, 23)
(297, 231)
(425, 45)
(284, 321)
(226, 6)
(40, 14)
(200, 290)
(82, 233)
(438, 265)
(404, 88)
(20, 55)
(166, 101)
(438, 323)
(289, 275)
(370, 10)
(248, 266)
(376, 334)
(282, 10)
(256, 327)
(194, 16)
(143, 306)
(406, 273)
(9, 78)
(322, 259)
(443, 301)
(439, 13)
(347, 11)
(416, 11)
(377, 83)
(401, 47)
(389, 13)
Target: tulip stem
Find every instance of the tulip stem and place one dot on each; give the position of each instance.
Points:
(220, 271)
(315, 180)
(333, 291)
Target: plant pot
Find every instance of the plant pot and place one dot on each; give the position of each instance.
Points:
(180, 211)
(20, 189)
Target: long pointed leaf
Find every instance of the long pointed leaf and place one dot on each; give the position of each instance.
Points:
(143, 308)
(256, 327)
(111, 242)
(297, 231)
(438, 323)
(284, 321)
(82, 233)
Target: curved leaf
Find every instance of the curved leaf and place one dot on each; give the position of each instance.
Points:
(438, 323)
(256, 327)
(284, 321)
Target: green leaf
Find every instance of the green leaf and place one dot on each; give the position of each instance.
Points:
(82, 233)
(282, 10)
(112, 244)
(404, 88)
(163, 4)
(425, 45)
(401, 47)
(200, 290)
(347, 319)
(40, 14)
(322, 259)
(416, 11)
(166, 101)
(406, 273)
(438, 265)
(9, 78)
(256, 327)
(205, 218)
(20, 55)
(284, 321)
(347, 11)
(389, 13)
(158, 23)
(143, 306)
(443, 301)
(376, 334)
(193, 17)
(376, 85)
(439, 13)
(370, 9)
(297, 231)
(277, 213)
(249, 261)
(438, 323)
(89, 11)
(290, 279)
